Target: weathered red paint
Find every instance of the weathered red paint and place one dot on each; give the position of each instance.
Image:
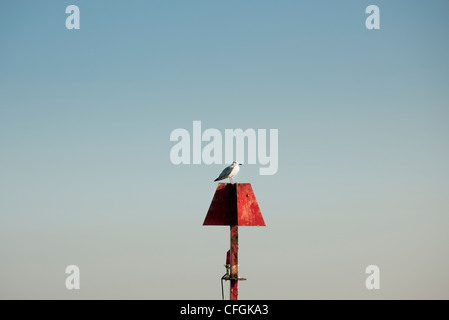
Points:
(234, 205)
(234, 262)
(227, 196)
(247, 206)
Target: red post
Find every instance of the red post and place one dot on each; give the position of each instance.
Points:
(234, 276)
(234, 262)
(234, 205)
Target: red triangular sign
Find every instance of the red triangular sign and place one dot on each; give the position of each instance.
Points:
(234, 204)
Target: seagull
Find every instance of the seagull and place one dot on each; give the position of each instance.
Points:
(229, 172)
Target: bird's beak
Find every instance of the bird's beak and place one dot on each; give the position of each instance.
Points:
(240, 164)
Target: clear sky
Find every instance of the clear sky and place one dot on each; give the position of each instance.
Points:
(85, 170)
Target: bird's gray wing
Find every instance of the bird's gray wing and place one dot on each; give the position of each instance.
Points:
(226, 171)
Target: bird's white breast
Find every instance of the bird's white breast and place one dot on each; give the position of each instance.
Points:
(234, 171)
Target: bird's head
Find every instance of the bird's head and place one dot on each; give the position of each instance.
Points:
(235, 163)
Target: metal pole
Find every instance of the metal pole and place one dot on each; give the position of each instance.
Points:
(234, 205)
(234, 245)
(234, 262)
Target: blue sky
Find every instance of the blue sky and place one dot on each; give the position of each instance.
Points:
(86, 177)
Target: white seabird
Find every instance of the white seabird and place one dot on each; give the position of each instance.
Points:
(229, 172)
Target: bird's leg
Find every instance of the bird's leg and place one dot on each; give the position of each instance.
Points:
(231, 180)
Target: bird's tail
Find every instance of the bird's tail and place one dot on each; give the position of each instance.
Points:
(216, 179)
